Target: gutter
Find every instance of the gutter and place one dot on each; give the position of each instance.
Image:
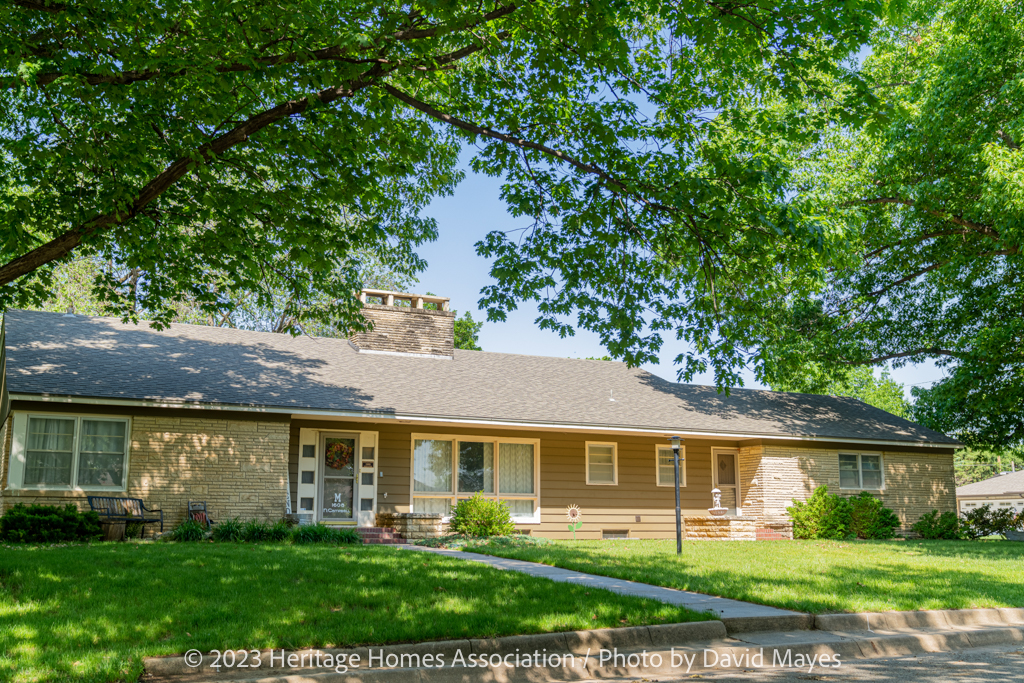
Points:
(369, 415)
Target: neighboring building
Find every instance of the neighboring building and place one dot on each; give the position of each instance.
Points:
(1001, 491)
(397, 420)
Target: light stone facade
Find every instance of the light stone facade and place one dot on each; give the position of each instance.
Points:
(720, 528)
(412, 525)
(238, 467)
(772, 477)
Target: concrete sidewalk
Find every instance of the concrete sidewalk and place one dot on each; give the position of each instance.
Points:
(723, 608)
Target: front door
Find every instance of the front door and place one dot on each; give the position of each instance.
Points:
(338, 483)
(725, 478)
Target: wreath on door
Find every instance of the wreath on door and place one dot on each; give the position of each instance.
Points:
(339, 455)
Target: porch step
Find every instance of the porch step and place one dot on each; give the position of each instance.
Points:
(379, 536)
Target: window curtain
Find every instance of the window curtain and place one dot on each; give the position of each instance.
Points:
(101, 456)
(515, 468)
(432, 466)
(51, 443)
(667, 467)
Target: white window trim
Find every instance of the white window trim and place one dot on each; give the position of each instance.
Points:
(17, 460)
(682, 466)
(860, 471)
(615, 463)
(455, 495)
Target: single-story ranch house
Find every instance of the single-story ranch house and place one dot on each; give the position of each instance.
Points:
(396, 420)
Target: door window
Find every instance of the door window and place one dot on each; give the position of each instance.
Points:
(338, 478)
(726, 469)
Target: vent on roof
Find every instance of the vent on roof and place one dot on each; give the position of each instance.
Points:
(406, 324)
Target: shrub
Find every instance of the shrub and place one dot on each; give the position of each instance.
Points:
(479, 517)
(49, 524)
(870, 519)
(228, 530)
(279, 531)
(321, 533)
(513, 541)
(255, 531)
(934, 526)
(188, 530)
(985, 521)
(823, 516)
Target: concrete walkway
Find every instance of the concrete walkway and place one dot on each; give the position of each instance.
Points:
(698, 602)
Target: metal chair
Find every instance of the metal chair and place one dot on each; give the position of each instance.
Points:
(197, 512)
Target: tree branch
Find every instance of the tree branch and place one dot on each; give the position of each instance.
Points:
(62, 245)
(333, 53)
(931, 351)
(43, 6)
(503, 137)
(956, 220)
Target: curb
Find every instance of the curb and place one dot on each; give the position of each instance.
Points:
(949, 618)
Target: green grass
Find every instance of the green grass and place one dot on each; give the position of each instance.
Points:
(809, 576)
(91, 613)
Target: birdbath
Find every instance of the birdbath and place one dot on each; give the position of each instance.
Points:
(717, 510)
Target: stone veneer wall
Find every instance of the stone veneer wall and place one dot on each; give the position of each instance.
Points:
(720, 528)
(400, 329)
(412, 525)
(238, 467)
(772, 477)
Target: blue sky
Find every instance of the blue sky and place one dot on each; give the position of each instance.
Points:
(457, 272)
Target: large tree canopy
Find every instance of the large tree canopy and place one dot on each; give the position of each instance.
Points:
(264, 141)
(932, 194)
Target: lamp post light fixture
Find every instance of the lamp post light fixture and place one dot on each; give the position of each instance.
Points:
(675, 441)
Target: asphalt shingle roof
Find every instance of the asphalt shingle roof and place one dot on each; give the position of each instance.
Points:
(52, 354)
(1003, 484)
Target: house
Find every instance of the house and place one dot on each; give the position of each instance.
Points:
(398, 421)
(1004, 490)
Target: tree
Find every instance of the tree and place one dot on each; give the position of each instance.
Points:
(81, 285)
(860, 382)
(931, 194)
(260, 143)
(977, 464)
(467, 332)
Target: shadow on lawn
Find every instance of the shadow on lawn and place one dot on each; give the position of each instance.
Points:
(107, 606)
(906, 580)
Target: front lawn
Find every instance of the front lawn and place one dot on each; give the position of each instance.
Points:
(91, 613)
(808, 576)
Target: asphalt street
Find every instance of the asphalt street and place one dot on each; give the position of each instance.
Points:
(1004, 663)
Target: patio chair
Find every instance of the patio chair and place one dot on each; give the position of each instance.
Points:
(197, 512)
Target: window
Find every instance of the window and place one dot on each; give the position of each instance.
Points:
(447, 469)
(602, 464)
(666, 466)
(860, 471)
(73, 452)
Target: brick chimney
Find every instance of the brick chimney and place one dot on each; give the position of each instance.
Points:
(406, 324)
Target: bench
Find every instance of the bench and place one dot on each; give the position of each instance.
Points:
(132, 510)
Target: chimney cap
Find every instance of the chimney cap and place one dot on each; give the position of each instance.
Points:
(415, 300)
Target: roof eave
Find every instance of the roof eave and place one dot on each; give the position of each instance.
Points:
(427, 419)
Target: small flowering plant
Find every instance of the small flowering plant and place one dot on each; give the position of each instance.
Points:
(575, 518)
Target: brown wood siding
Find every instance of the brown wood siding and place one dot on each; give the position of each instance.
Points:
(562, 478)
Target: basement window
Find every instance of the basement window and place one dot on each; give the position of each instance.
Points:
(612, 534)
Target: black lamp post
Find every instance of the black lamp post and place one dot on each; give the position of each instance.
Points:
(675, 441)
